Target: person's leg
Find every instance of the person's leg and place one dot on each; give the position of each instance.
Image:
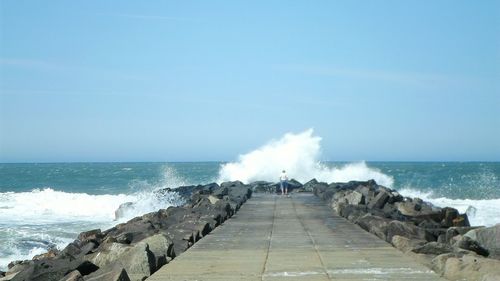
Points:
(286, 187)
(282, 187)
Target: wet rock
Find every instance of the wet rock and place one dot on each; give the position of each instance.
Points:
(76, 250)
(51, 254)
(48, 270)
(92, 235)
(19, 266)
(123, 210)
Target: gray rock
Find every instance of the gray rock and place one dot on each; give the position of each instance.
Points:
(160, 246)
(52, 269)
(405, 244)
(72, 276)
(415, 208)
(433, 248)
(76, 250)
(355, 198)
(488, 237)
(407, 230)
(91, 235)
(467, 243)
(375, 225)
(466, 267)
(138, 260)
(114, 272)
(453, 218)
(351, 212)
(454, 231)
(379, 200)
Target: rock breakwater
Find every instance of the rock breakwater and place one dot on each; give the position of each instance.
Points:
(440, 238)
(136, 249)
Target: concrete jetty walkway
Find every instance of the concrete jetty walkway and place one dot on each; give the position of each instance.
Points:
(296, 238)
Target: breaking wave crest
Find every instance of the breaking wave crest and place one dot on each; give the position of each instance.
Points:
(299, 155)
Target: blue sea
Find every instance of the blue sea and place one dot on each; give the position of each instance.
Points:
(47, 205)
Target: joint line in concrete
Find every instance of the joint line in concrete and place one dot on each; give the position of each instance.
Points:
(312, 240)
(264, 267)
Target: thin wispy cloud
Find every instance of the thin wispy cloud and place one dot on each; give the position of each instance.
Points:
(411, 78)
(28, 63)
(149, 17)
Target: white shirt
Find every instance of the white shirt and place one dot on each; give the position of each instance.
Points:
(283, 177)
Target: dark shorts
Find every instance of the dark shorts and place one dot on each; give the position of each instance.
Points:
(284, 184)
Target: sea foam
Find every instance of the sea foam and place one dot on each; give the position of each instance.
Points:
(479, 211)
(299, 155)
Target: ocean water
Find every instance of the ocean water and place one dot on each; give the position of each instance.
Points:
(47, 205)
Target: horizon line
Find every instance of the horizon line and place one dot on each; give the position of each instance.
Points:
(228, 161)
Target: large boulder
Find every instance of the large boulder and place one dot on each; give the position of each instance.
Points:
(467, 243)
(94, 235)
(487, 237)
(113, 272)
(161, 247)
(263, 187)
(379, 201)
(408, 230)
(53, 269)
(375, 225)
(405, 244)
(312, 184)
(351, 212)
(418, 209)
(138, 260)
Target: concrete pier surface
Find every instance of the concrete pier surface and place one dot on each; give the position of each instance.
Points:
(295, 238)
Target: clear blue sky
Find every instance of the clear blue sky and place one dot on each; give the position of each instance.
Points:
(207, 80)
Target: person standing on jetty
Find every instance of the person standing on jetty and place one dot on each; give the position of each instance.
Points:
(284, 183)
